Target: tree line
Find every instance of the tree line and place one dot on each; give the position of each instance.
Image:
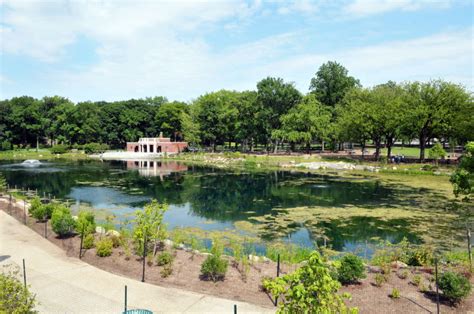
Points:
(336, 109)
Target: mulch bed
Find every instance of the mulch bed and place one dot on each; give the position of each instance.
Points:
(186, 270)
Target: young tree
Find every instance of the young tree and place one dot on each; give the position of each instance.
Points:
(304, 123)
(463, 178)
(331, 83)
(149, 224)
(310, 289)
(437, 152)
(275, 98)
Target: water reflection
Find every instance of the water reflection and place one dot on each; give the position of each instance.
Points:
(213, 199)
(154, 168)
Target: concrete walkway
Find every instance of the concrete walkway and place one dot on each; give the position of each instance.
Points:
(67, 285)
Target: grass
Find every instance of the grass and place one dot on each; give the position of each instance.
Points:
(42, 154)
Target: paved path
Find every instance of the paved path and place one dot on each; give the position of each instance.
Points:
(68, 285)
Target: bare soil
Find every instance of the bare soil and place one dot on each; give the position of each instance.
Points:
(247, 287)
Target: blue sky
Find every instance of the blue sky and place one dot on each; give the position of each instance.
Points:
(115, 49)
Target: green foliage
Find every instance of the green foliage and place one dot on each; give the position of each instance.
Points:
(88, 241)
(104, 247)
(310, 289)
(59, 149)
(351, 269)
(149, 223)
(35, 205)
(5, 145)
(164, 258)
(380, 279)
(95, 148)
(288, 252)
(85, 222)
(420, 256)
(3, 184)
(455, 286)
(166, 271)
(395, 293)
(14, 296)
(437, 152)
(331, 83)
(463, 178)
(416, 280)
(404, 274)
(214, 268)
(44, 211)
(61, 220)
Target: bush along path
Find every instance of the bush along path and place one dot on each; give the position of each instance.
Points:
(399, 277)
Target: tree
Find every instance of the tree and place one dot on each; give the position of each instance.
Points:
(433, 109)
(14, 296)
(304, 123)
(169, 119)
(190, 128)
(310, 289)
(149, 225)
(248, 125)
(437, 152)
(463, 178)
(216, 114)
(331, 83)
(275, 98)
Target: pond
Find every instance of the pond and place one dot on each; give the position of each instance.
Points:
(210, 198)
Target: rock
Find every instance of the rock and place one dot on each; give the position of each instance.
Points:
(205, 254)
(398, 264)
(266, 259)
(168, 242)
(114, 233)
(196, 252)
(254, 258)
(181, 246)
(100, 230)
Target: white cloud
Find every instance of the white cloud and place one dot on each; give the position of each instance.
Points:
(360, 8)
(298, 6)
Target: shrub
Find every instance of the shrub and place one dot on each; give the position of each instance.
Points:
(94, 148)
(85, 222)
(403, 274)
(416, 280)
(88, 241)
(34, 205)
(164, 258)
(310, 289)
(379, 280)
(166, 271)
(351, 269)
(44, 211)
(116, 241)
(6, 145)
(214, 268)
(62, 222)
(14, 296)
(395, 293)
(455, 286)
(59, 149)
(420, 256)
(104, 247)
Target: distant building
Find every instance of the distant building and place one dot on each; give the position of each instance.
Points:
(156, 145)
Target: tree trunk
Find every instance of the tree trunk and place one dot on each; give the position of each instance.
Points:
(213, 147)
(276, 147)
(363, 149)
(322, 146)
(389, 148)
(422, 147)
(37, 143)
(377, 150)
(308, 148)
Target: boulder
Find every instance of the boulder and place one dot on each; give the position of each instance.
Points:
(399, 264)
(100, 230)
(168, 242)
(254, 258)
(114, 233)
(181, 246)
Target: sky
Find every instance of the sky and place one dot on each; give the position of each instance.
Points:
(116, 49)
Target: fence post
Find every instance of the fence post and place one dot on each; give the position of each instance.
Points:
(125, 308)
(24, 273)
(278, 275)
(24, 212)
(82, 239)
(144, 257)
(46, 228)
(437, 292)
(235, 308)
(469, 248)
